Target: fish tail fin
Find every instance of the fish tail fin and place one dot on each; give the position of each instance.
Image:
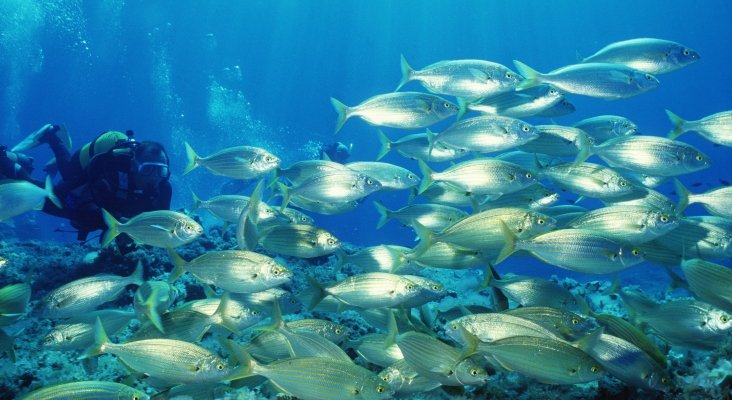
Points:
(342, 111)
(590, 340)
(510, 246)
(178, 265)
(277, 323)
(462, 108)
(247, 364)
(678, 122)
(585, 148)
(221, 316)
(284, 191)
(192, 159)
(392, 331)
(318, 292)
(684, 194)
(490, 276)
(100, 341)
(431, 137)
(406, 72)
(137, 277)
(427, 180)
(151, 311)
(112, 228)
(341, 258)
(385, 144)
(196, 202)
(531, 76)
(426, 239)
(384, 214)
(49, 192)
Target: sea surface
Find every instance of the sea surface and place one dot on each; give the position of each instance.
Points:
(218, 74)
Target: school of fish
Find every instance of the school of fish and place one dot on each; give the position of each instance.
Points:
(472, 213)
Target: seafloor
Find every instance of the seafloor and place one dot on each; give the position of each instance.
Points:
(700, 375)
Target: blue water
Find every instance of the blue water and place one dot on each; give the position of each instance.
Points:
(224, 73)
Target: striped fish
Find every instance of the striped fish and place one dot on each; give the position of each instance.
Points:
(486, 134)
(417, 147)
(716, 128)
(316, 378)
(562, 323)
(13, 302)
(172, 361)
(634, 224)
(710, 282)
(547, 360)
(407, 110)
(235, 271)
(298, 240)
(240, 162)
(161, 228)
(479, 176)
(404, 379)
(577, 250)
(604, 127)
(86, 390)
(434, 359)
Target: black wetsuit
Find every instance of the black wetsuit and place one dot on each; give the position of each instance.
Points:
(102, 184)
(105, 184)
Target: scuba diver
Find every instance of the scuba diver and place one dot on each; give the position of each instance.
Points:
(112, 172)
(337, 152)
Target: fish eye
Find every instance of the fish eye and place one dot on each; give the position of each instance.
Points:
(450, 372)
(255, 312)
(276, 272)
(331, 241)
(370, 181)
(573, 371)
(254, 276)
(699, 157)
(410, 286)
(686, 52)
(473, 371)
(664, 218)
(454, 327)
(380, 389)
(196, 368)
(664, 380)
(553, 91)
(355, 392)
(509, 75)
(575, 321)
(623, 183)
(135, 397)
(635, 252)
(337, 331)
(649, 77)
(540, 221)
(219, 366)
(529, 175)
(594, 369)
(435, 287)
(525, 128)
(385, 379)
(724, 318)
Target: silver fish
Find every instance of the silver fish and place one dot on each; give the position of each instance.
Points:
(590, 180)
(716, 201)
(530, 291)
(516, 104)
(417, 147)
(162, 228)
(471, 79)
(302, 170)
(563, 107)
(390, 176)
(716, 128)
(152, 299)
(236, 271)
(558, 141)
(486, 134)
(577, 250)
(368, 290)
(652, 155)
(405, 379)
(604, 127)
(380, 258)
(654, 56)
(635, 224)
(13, 302)
(436, 360)
(79, 334)
(480, 176)
(240, 162)
(332, 187)
(85, 294)
(407, 110)
(710, 282)
(700, 237)
(535, 197)
(434, 217)
(600, 80)
(18, 197)
(688, 323)
(298, 240)
(86, 390)
(228, 208)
